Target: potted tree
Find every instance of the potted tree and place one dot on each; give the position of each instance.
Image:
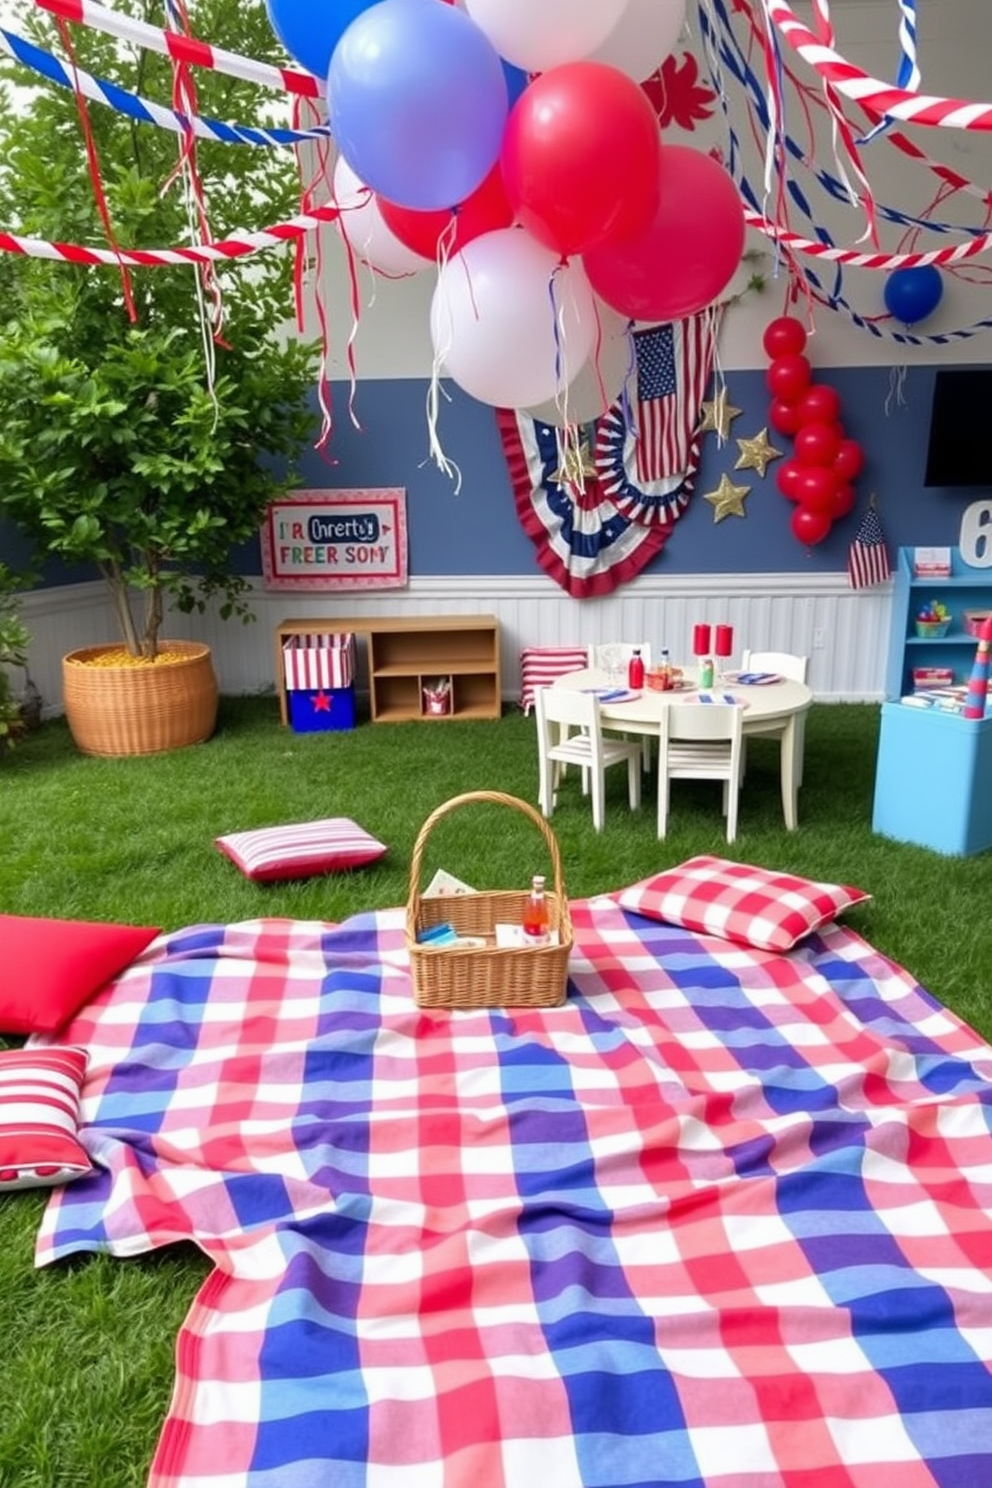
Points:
(133, 437)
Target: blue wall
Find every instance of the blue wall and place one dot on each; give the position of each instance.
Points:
(477, 531)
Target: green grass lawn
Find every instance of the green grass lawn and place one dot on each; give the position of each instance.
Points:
(86, 1367)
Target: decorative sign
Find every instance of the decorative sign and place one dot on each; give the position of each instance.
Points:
(976, 531)
(353, 539)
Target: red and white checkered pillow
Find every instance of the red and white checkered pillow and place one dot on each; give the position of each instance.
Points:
(540, 665)
(737, 901)
(39, 1114)
(301, 849)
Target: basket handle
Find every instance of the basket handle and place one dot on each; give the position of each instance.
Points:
(497, 798)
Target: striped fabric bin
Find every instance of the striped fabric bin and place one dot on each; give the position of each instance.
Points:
(319, 672)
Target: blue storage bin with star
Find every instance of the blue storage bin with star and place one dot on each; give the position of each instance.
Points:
(320, 682)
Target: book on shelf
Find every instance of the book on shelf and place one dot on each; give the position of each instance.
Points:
(931, 563)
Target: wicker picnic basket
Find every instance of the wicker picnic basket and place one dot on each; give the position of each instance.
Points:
(489, 976)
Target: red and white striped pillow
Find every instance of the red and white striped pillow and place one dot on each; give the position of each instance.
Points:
(540, 665)
(301, 849)
(39, 1116)
(737, 901)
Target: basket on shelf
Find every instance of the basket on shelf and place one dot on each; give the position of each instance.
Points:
(486, 976)
(932, 630)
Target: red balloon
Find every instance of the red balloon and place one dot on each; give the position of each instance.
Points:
(819, 404)
(784, 417)
(484, 211)
(580, 157)
(810, 527)
(785, 336)
(844, 499)
(787, 478)
(817, 487)
(816, 444)
(788, 377)
(850, 460)
(690, 251)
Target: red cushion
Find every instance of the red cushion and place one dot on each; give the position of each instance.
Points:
(301, 849)
(39, 1112)
(737, 901)
(50, 968)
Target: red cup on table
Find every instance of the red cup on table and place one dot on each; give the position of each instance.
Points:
(723, 643)
(700, 640)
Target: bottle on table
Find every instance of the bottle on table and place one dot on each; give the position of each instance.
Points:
(635, 669)
(665, 667)
(706, 672)
(537, 919)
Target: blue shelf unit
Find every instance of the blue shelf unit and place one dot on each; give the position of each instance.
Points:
(966, 589)
(933, 775)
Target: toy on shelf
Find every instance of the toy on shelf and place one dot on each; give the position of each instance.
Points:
(978, 685)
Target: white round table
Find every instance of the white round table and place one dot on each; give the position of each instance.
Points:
(770, 703)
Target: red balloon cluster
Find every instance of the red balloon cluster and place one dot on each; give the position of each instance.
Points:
(819, 475)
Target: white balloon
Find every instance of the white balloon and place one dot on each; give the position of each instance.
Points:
(362, 224)
(538, 34)
(646, 33)
(509, 322)
(597, 386)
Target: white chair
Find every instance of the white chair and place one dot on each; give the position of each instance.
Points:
(593, 751)
(700, 742)
(617, 654)
(795, 668)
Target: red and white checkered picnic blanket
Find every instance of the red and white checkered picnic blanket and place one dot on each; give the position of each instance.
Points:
(723, 1220)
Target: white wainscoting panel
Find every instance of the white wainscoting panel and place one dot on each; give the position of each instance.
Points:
(844, 633)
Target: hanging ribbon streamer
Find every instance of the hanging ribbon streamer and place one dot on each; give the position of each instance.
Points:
(134, 106)
(184, 48)
(209, 302)
(97, 183)
(908, 76)
(803, 252)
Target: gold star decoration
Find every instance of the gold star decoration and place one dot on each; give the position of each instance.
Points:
(727, 500)
(756, 453)
(718, 415)
(575, 464)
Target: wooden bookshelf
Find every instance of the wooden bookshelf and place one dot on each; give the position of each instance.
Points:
(405, 652)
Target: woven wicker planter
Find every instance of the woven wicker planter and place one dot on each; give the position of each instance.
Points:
(122, 710)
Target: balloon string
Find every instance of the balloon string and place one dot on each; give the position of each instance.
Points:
(626, 407)
(897, 388)
(319, 177)
(442, 346)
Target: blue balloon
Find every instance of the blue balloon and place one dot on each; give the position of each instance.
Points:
(516, 80)
(310, 32)
(417, 100)
(913, 294)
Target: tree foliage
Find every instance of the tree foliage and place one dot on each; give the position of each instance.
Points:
(120, 443)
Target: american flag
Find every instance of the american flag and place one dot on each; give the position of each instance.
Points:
(673, 367)
(867, 558)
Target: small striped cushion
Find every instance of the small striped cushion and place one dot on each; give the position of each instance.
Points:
(39, 1114)
(540, 665)
(736, 901)
(301, 849)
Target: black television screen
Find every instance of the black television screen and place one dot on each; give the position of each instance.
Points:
(959, 451)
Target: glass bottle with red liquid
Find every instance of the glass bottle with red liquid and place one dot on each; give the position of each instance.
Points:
(537, 920)
(635, 670)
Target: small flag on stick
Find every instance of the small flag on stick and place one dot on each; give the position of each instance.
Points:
(867, 558)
